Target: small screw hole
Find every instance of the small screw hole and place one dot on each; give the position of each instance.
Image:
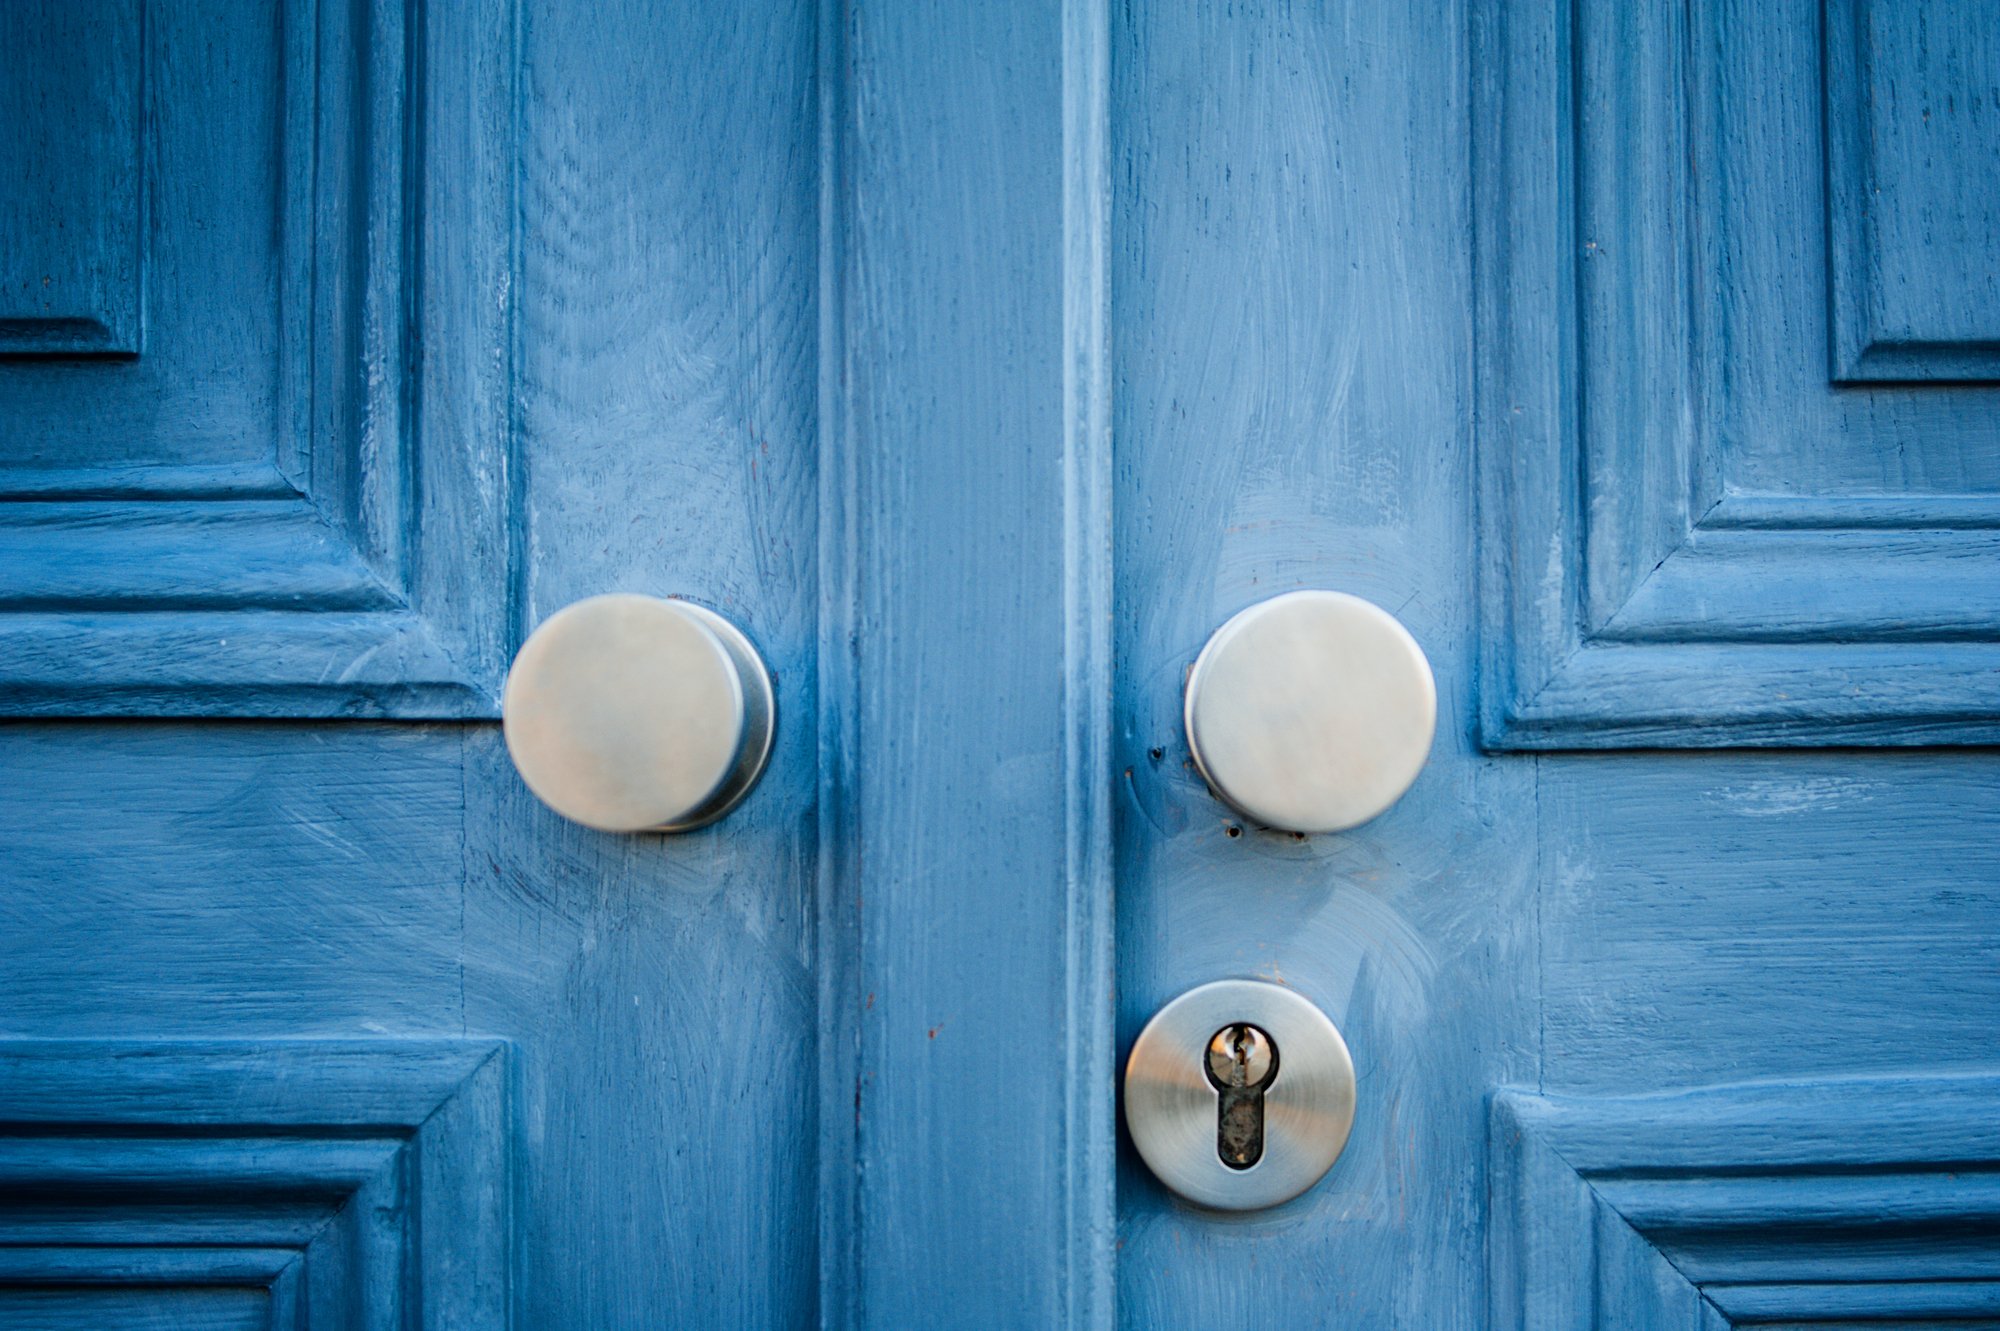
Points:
(1234, 830)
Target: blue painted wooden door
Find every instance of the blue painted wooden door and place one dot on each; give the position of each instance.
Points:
(1641, 358)
(980, 360)
(342, 342)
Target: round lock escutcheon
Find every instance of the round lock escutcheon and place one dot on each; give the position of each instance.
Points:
(1311, 712)
(1178, 1081)
(631, 713)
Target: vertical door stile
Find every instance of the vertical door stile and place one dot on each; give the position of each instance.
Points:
(1090, 1210)
(967, 1114)
(836, 925)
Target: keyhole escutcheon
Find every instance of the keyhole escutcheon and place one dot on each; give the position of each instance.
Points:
(1209, 1109)
(1242, 1063)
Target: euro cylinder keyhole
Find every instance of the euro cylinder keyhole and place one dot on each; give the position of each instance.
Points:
(1242, 1063)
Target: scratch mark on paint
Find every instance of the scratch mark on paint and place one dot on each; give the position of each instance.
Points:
(1777, 798)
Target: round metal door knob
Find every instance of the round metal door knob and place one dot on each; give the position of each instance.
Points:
(631, 713)
(1174, 1095)
(1311, 712)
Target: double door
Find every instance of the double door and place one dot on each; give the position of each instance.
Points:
(979, 361)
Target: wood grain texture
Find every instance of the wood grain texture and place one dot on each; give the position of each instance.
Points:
(204, 1309)
(261, 881)
(183, 880)
(660, 990)
(321, 398)
(1913, 122)
(827, 315)
(342, 1182)
(1710, 919)
(1289, 331)
(967, 903)
(213, 129)
(1291, 290)
(1772, 1202)
(1692, 538)
(72, 166)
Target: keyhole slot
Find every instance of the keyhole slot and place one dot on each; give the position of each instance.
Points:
(1241, 1063)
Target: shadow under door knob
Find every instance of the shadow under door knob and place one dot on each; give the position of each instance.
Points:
(1311, 712)
(631, 713)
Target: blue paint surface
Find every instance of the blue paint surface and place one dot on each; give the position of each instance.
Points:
(178, 1183)
(70, 283)
(1514, 318)
(287, 494)
(1696, 533)
(1804, 1202)
(980, 360)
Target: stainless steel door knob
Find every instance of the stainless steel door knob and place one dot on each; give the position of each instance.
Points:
(1311, 712)
(1239, 1095)
(631, 713)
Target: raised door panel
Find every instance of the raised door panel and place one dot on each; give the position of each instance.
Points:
(252, 360)
(70, 179)
(296, 1184)
(1913, 129)
(1802, 1204)
(1740, 439)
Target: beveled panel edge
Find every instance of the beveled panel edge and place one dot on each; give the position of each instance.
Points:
(1588, 1194)
(1546, 679)
(1856, 353)
(413, 470)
